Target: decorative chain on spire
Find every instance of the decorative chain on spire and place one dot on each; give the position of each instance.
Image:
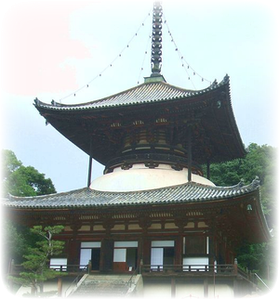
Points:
(156, 46)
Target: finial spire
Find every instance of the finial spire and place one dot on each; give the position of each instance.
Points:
(156, 46)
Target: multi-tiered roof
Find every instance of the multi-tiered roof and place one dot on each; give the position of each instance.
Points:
(151, 125)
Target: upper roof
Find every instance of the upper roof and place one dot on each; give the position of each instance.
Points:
(99, 127)
(141, 94)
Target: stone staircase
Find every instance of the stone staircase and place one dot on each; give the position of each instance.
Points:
(103, 286)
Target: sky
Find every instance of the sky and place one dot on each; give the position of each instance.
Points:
(55, 49)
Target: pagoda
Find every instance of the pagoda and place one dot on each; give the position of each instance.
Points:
(153, 212)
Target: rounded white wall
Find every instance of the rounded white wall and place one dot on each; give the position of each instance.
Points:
(139, 178)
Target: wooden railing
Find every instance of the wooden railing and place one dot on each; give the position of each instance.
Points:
(203, 270)
(228, 270)
(70, 269)
(157, 270)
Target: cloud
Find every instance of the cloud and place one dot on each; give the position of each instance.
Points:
(36, 43)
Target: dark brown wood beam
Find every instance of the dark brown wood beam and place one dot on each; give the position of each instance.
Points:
(90, 165)
(189, 153)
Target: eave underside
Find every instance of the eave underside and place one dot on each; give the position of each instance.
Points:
(101, 131)
(239, 216)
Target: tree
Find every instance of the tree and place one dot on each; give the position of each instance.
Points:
(20, 180)
(14, 245)
(259, 161)
(37, 259)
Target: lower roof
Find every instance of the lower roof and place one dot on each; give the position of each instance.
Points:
(237, 207)
(88, 198)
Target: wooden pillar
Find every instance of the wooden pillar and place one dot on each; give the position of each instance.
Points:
(140, 255)
(59, 286)
(73, 252)
(205, 287)
(146, 251)
(173, 287)
(106, 259)
(90, 165)
(89, 171)
(235, 288)
(11, 272)
(178, 251)
(211, 249)
(189, 153)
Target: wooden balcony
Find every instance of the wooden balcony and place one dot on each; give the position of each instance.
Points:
(225, 270)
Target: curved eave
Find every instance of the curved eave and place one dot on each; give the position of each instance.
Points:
(229, 205)
(142, 94)
(77, 122)
(81, 198)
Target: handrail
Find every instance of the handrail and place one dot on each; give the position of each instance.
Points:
(182, 267)
(76, 280)
(129, 282)
(257, 276)
(70, 268)
(222, 268)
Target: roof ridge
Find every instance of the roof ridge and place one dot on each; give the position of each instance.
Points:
(16, 197)
(189, 92)
(189, 192)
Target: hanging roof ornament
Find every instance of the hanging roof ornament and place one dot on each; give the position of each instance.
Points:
(156, 45)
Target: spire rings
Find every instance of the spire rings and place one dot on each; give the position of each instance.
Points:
(156, 46)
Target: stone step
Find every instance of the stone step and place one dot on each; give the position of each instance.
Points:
(116, 285)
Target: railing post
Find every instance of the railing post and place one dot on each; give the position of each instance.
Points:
(235, 269)
(11, 267)
(140, 266)
(89, 266)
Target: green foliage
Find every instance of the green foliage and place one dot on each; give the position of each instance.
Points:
(36, 264)
(20, 180)
(14, 243)
(260, 161)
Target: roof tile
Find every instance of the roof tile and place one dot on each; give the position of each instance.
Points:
(86, 197)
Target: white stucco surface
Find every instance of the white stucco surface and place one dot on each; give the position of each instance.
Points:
(140, 178)
(159, 291)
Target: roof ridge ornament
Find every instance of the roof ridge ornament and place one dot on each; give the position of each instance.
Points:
(241, 183)
(256, 182)
(156, 45)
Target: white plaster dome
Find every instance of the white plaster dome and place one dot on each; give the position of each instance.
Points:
(139, 178)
